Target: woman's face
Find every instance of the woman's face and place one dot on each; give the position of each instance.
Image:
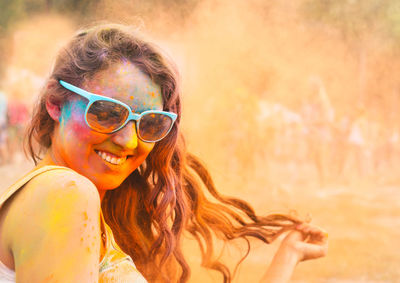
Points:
(78, 147)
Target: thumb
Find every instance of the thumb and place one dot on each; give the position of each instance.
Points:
(313, 250)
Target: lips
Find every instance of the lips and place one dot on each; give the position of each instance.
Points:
(111, 158)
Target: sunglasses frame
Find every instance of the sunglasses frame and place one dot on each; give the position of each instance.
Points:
(92, 98)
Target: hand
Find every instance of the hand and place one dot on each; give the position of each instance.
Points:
(306, 242)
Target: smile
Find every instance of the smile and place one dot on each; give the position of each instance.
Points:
(110, 158)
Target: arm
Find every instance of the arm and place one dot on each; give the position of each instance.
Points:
(281, 267)
(53, 229)
(304, 243)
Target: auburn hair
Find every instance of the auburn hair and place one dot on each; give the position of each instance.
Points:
(167, 195)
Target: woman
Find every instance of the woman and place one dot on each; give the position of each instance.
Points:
(107, 126)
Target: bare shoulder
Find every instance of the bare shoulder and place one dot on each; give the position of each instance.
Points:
(61, 190)
(55, 213)
(61, 181)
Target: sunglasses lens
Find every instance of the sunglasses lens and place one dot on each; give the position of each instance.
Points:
(154, 126)
(106, 116)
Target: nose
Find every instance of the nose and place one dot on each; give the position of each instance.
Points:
(126, 137)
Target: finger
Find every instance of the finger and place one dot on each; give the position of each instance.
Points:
(301, 226)
(317, 233)
(316, 230)
(318, 238)
(312, 230)
(312, 234)
(304, 228)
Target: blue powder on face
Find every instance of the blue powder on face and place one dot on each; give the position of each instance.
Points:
(72, 106)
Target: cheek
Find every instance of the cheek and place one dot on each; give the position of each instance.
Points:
(145, 148)
(76, 131)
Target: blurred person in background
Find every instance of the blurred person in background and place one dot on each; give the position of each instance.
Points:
(114, 188)
(359, 145)
(319, 115)
(18, 116)
(3, 129)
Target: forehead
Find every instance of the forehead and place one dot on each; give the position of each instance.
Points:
(127, 83)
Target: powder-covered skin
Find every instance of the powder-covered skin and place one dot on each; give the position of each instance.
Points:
(66, 206)
(75, 144)
(64, 223)
(129, 85)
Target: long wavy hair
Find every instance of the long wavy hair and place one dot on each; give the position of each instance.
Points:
(167, 195)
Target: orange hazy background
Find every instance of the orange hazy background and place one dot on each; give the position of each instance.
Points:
(291, 106)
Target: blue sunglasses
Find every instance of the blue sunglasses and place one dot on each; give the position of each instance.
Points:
(107, 115)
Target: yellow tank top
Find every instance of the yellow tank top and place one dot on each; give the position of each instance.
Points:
(115, 266)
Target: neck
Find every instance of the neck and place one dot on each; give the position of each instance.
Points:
(51, 159)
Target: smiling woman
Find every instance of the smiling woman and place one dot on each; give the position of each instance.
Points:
(114, 188)
(95, 138)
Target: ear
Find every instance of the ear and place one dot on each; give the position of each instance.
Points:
(53, 108)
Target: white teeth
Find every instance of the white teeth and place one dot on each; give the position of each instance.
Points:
(110, 158)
